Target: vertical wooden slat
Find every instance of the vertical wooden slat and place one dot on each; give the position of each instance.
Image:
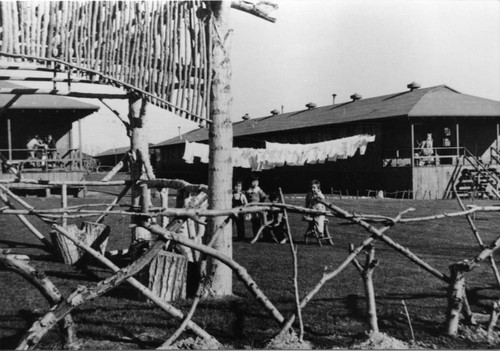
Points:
(46, 20)
(165, 44)
(64, 203)
(15, 28)
(9, 138)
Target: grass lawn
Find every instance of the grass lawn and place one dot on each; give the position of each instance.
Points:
(334, 318)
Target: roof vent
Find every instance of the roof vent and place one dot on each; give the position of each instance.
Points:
(275, 112)
(311, 105)
(333, 98)
(355, 97)
(246, 117)
(413, 85)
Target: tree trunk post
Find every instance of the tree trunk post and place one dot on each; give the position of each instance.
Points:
(495, 310)
(220, 169)
(455, 299)
(164, 204)
(139, 156)
(371, 307)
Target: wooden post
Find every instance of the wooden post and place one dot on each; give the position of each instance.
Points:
(412, 149)
(164, 204)
(64, 203)
(371, 308)
(80, 142)
(496, 141)
(9, 138)
(493, 320)
(220, 169)
(366, 273)
(457, 128)
(139, 156)
(455, 299)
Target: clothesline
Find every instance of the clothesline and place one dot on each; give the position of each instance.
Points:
(278, 155)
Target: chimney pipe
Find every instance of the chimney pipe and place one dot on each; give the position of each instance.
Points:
(355, 97)
(333, 98)
(413, 85)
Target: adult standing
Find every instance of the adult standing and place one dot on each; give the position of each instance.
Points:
(33, 145)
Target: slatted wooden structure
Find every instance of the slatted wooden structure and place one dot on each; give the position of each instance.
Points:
(157, 49)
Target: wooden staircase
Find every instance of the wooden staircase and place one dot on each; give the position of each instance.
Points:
(474, 177)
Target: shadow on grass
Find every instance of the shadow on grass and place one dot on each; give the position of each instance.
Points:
(16, 244)
(24, 318)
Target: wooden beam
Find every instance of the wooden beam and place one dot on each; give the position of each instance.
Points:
(111, 81)
(51, 79)
(32, 91)
(25, 68)
(457, 128)
(261, 9)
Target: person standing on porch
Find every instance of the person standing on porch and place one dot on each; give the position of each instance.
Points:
(256, 194)
(51, 146)
(33, 145)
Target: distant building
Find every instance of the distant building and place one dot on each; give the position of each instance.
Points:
(458, 125)
(29, 115)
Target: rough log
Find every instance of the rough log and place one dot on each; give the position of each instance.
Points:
(455, 299)
(175, 184)
(135, 283)
(239, 270)
(56, 92)
(50, 247)
(220, 168)
(261, 9)
(285, 327)
(115, 169)
(46, 288)
(85, 294)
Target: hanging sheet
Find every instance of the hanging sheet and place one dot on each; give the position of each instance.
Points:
(278, 155)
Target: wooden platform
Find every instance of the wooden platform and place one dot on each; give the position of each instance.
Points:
(49, 175)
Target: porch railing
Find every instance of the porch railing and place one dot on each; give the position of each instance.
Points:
(46, 159)
(440, 156)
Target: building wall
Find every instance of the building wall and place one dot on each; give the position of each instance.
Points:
(355, 174)
(360, 173)
(431, 182)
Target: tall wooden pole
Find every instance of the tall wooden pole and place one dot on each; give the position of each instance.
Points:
(9, 138)
(139, 147)
(220, 169)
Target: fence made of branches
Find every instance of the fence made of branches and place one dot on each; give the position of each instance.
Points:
(164, 224)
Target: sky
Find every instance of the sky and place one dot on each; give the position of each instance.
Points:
(318, 48)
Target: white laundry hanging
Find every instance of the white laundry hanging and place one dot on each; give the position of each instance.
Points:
(277, 154)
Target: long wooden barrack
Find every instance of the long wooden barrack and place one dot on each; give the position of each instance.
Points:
(157, 47)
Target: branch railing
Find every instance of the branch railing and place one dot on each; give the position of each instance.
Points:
(374, 225)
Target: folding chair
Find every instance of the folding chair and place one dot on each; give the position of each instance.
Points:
(312, 233)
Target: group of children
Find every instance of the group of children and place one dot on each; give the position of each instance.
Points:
(273, 223)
